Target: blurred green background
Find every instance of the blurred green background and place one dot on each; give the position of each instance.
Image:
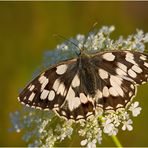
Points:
(26, 31)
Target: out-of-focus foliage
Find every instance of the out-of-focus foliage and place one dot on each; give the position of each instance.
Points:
(26, 31)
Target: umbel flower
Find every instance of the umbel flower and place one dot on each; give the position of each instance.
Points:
(45, 129)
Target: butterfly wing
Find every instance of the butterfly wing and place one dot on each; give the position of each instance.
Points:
(119, 73)
(78, 103)
(49, 89)
(59, 89)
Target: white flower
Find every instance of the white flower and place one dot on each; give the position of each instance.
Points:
(83, 142)
(95, 42)
(82, 132)
(113, 132)
(135, 109)
(139, 36)
(107, 30)
(117, 120)
(109, 127)
(62, 47)
(43, 126)
(92, 144)
(145, 39)
(125, 115)
(80, 37)
(99, 136)
(127, 125)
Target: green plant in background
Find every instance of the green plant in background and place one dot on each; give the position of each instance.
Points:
(43, 128)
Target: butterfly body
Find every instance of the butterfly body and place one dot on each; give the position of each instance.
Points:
(87, 74)
(76, 88)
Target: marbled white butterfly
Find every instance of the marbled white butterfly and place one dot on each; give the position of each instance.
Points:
(77, 88)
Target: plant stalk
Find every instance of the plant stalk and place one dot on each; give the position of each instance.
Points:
(116, 141)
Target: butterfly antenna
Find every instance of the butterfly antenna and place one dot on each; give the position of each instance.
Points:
(69, 41)
(90, 30)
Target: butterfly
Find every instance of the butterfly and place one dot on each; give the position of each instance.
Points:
(77, 88)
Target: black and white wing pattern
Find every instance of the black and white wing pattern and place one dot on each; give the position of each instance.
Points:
(119, 73)
(75, 88)
(58, 89)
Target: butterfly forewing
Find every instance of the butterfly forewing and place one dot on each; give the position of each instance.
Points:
(42, 92)
(75, 89)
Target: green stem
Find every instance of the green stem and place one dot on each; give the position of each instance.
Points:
(116, 141)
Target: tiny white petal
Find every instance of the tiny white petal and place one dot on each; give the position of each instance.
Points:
(136, 104)
(129, 127)
(83, 142)
(123, 127)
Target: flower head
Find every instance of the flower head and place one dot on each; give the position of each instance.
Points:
(43, 128)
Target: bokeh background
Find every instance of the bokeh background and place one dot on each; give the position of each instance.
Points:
(26, 31)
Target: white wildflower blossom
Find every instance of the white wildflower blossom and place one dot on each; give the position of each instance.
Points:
(92, 144)
(80, 40)
(115, 119)
(135, 109)
(107, 30)
(62, 46)
(15, 119)
(66, 132)
(43, 126)
(84, 142)
(44, 129)
(124, 115)
(145, 39)
(139, 36)
(109, 127)
(95, 42)
(99, 136)
(127, 125)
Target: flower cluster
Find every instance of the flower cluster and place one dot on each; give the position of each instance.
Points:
(43, 128)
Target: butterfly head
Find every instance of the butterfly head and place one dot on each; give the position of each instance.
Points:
(83, 57)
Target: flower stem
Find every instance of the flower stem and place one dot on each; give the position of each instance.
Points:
(116, 141)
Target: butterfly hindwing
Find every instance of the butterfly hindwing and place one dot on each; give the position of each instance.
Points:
(119, 73)
(78, 103)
